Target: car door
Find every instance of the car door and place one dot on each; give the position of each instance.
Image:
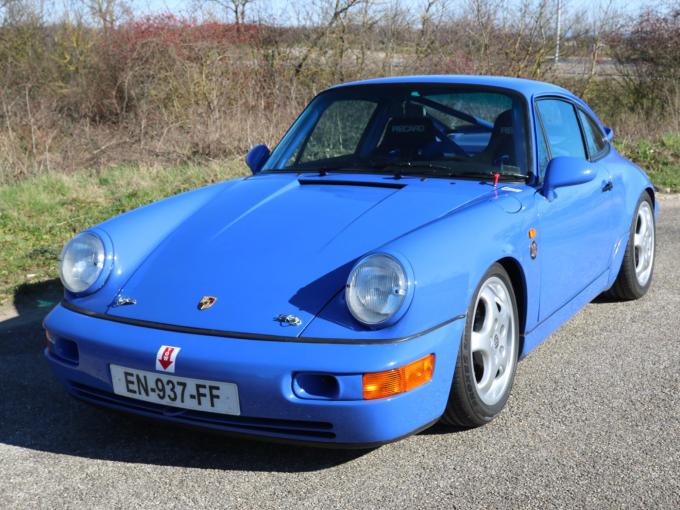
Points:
(575, 225)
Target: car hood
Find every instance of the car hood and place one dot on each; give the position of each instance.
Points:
(280, 244)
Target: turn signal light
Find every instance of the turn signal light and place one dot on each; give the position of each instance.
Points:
(398, 380)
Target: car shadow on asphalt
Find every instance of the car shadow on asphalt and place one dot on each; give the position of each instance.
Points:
(605, 299)
(37, 413)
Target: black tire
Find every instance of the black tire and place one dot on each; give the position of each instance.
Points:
(627, 286)
(465, 408)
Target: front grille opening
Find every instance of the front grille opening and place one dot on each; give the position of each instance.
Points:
(291, 428)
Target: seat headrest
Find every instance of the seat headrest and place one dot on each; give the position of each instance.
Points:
(503, 123)
(408, 133)
(501, 148)
(413, 110)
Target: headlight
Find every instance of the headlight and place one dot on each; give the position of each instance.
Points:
(376, 289)
(82, 262)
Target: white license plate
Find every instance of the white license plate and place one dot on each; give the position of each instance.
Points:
(169, 390)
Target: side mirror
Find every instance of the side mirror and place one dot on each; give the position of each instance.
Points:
(566, 171)
(608, 134)
(257, 157)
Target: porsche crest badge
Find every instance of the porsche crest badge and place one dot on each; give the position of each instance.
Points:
(206, 302)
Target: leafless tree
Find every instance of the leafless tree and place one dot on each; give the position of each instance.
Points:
(394, 23)
(332, 18)
(430, 22)
(604, 21)
(234, 9)
(16, 11)
(106, 13)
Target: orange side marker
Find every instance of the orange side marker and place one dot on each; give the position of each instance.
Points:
(398, 380)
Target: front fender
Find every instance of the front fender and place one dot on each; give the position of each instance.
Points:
(449, 257)
(135, 234)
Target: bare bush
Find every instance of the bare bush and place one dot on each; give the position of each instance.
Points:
(649, 58)
(99, 86)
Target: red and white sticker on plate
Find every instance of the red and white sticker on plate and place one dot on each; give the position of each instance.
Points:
(165, 359)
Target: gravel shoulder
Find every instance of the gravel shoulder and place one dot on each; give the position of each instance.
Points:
(594, 421)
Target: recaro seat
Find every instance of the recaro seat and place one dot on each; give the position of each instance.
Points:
(501, 147)
(408, 135)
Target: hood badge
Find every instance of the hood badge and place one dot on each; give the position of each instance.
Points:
(206, 302)
(124, 301)
(288, 320)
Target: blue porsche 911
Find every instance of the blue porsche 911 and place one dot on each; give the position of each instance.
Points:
(384, 268)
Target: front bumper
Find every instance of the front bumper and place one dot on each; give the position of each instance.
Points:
(263, 371)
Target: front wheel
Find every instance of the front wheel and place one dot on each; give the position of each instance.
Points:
(487, 358)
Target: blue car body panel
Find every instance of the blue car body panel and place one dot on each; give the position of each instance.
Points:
(281, 243)
(289, 245)
(263, 371)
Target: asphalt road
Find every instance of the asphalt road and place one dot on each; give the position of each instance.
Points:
(593, 421)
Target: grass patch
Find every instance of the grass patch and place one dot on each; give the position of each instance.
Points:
(660, 158)
(38, 215)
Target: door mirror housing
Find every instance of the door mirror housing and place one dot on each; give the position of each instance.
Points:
(566, 171)
(608, 134)
(257, 157)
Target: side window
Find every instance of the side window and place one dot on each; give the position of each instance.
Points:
(561, 127)
(594, 137)
(339, 130)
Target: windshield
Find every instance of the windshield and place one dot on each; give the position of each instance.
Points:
(408, 128)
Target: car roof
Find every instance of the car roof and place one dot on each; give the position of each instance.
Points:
(521, 85)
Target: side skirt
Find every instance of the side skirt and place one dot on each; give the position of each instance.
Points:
(534, 338)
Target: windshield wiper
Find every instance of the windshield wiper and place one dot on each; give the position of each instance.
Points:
(501, 175)
(400, 168)
(432, 168)
(373, 167)
(437, 170)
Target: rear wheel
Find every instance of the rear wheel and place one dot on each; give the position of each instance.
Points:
(487, 358)
(635, 275)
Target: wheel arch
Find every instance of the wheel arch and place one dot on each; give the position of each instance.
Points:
(519, 285)
(652, 195)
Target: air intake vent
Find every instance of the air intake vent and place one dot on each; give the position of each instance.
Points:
(364, 184)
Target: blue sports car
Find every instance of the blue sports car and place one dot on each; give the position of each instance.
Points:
(384, 268)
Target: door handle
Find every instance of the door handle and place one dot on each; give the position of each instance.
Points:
(607, 186)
